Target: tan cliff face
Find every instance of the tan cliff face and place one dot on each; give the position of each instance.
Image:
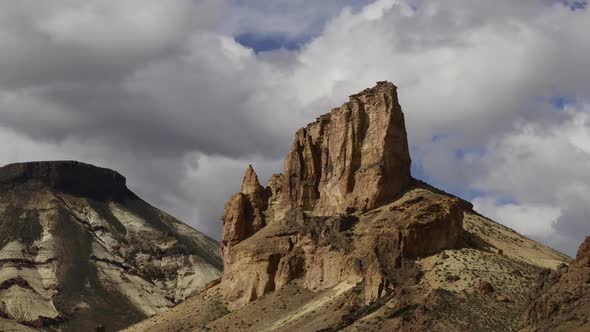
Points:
(350, 161)
(354, 158)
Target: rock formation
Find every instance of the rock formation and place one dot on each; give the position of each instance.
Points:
(244, 212)
(303, 225)
(325, 251)
(345, 240)
(79, 249)
(561, 300)
(354, 158)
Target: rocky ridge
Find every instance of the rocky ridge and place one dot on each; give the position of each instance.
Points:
(561, 300)
(78, 249)
(345, 239)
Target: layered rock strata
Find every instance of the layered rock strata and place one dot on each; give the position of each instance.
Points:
(78, 249)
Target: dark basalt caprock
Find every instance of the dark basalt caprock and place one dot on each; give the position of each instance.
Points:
(70, 177)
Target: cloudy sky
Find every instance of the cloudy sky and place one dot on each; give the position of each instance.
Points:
(180, 96)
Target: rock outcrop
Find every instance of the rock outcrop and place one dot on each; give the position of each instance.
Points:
(350, 161)
(354, 158)
(583, 254)
(325, 251)
(78, 249)
(243, 214)
(561, 300)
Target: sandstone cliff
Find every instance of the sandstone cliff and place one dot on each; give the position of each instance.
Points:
(352, 159)
(78, 249)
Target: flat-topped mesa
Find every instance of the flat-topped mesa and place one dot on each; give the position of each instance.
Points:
(353, 158)
(70, 177)
(72, 231)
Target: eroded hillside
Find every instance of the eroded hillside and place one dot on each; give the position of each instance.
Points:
(79, 250)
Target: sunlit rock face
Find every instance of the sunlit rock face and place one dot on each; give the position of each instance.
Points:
(78, 249)
(350, 161)
(354, 158)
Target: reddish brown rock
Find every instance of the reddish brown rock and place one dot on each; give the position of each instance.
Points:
(431, 223)
(234, 218)
(353, 158)
(561, 301)
(583, 255)
(485, 288)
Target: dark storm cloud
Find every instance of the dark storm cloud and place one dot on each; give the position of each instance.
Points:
(148, 88)
(85, 85)
(162, 92)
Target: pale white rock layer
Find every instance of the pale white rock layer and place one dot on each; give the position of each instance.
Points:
(75, 258)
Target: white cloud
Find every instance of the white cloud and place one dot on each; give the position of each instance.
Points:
(536, 161)
(527, 219)
(293, 20)
(544, 168)
(145, 87)
(110, 26)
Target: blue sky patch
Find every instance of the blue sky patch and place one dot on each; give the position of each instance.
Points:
(464, 192)
(439, 137)
(505, 200)
(575, 5)
(263, 43)
(561, 102)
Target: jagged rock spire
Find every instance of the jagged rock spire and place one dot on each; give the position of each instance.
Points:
(244, 212)
(354, 158)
